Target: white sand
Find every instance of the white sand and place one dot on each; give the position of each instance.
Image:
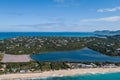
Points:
(60, 73)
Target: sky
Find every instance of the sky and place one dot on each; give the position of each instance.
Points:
(59, 15)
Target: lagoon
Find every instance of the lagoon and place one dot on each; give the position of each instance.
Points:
(82, 55)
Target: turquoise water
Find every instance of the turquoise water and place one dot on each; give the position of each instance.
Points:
(109, 76)
(4, 35)
(85, 55)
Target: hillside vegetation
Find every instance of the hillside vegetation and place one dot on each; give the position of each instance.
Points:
(34, 45)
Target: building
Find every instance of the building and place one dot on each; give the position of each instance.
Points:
(118, 50)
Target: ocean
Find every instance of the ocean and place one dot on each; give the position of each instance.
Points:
(108, 76)
(5, 35)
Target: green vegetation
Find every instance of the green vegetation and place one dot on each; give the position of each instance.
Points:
(1, 56)
(35, 45)
(32, 66)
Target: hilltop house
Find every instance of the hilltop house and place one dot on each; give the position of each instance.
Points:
(118, 50)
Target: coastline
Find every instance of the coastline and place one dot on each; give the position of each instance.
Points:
(60, 73)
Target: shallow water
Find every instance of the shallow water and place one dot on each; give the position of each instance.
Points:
(109, 76)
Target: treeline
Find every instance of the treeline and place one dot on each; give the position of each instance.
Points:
(1, 56)
(33, 66)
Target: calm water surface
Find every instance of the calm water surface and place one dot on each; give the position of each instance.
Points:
(85, 55)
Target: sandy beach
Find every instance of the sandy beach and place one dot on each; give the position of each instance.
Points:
(71, 72)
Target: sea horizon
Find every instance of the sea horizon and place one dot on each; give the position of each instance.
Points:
(4, 35)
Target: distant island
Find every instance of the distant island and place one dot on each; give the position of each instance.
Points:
(107, 32)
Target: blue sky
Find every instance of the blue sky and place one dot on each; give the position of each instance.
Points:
(59, 15)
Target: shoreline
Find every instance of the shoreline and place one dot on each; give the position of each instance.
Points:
(60, 73)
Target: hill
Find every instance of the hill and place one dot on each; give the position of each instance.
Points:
(107, 32)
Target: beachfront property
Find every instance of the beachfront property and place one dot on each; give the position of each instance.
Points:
(81, 65)
(91, 65)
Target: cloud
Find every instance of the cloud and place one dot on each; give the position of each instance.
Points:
(41, 25)
(66, 3)
(106, 19)
(58, 27)
(109, 9)
(49, 27)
